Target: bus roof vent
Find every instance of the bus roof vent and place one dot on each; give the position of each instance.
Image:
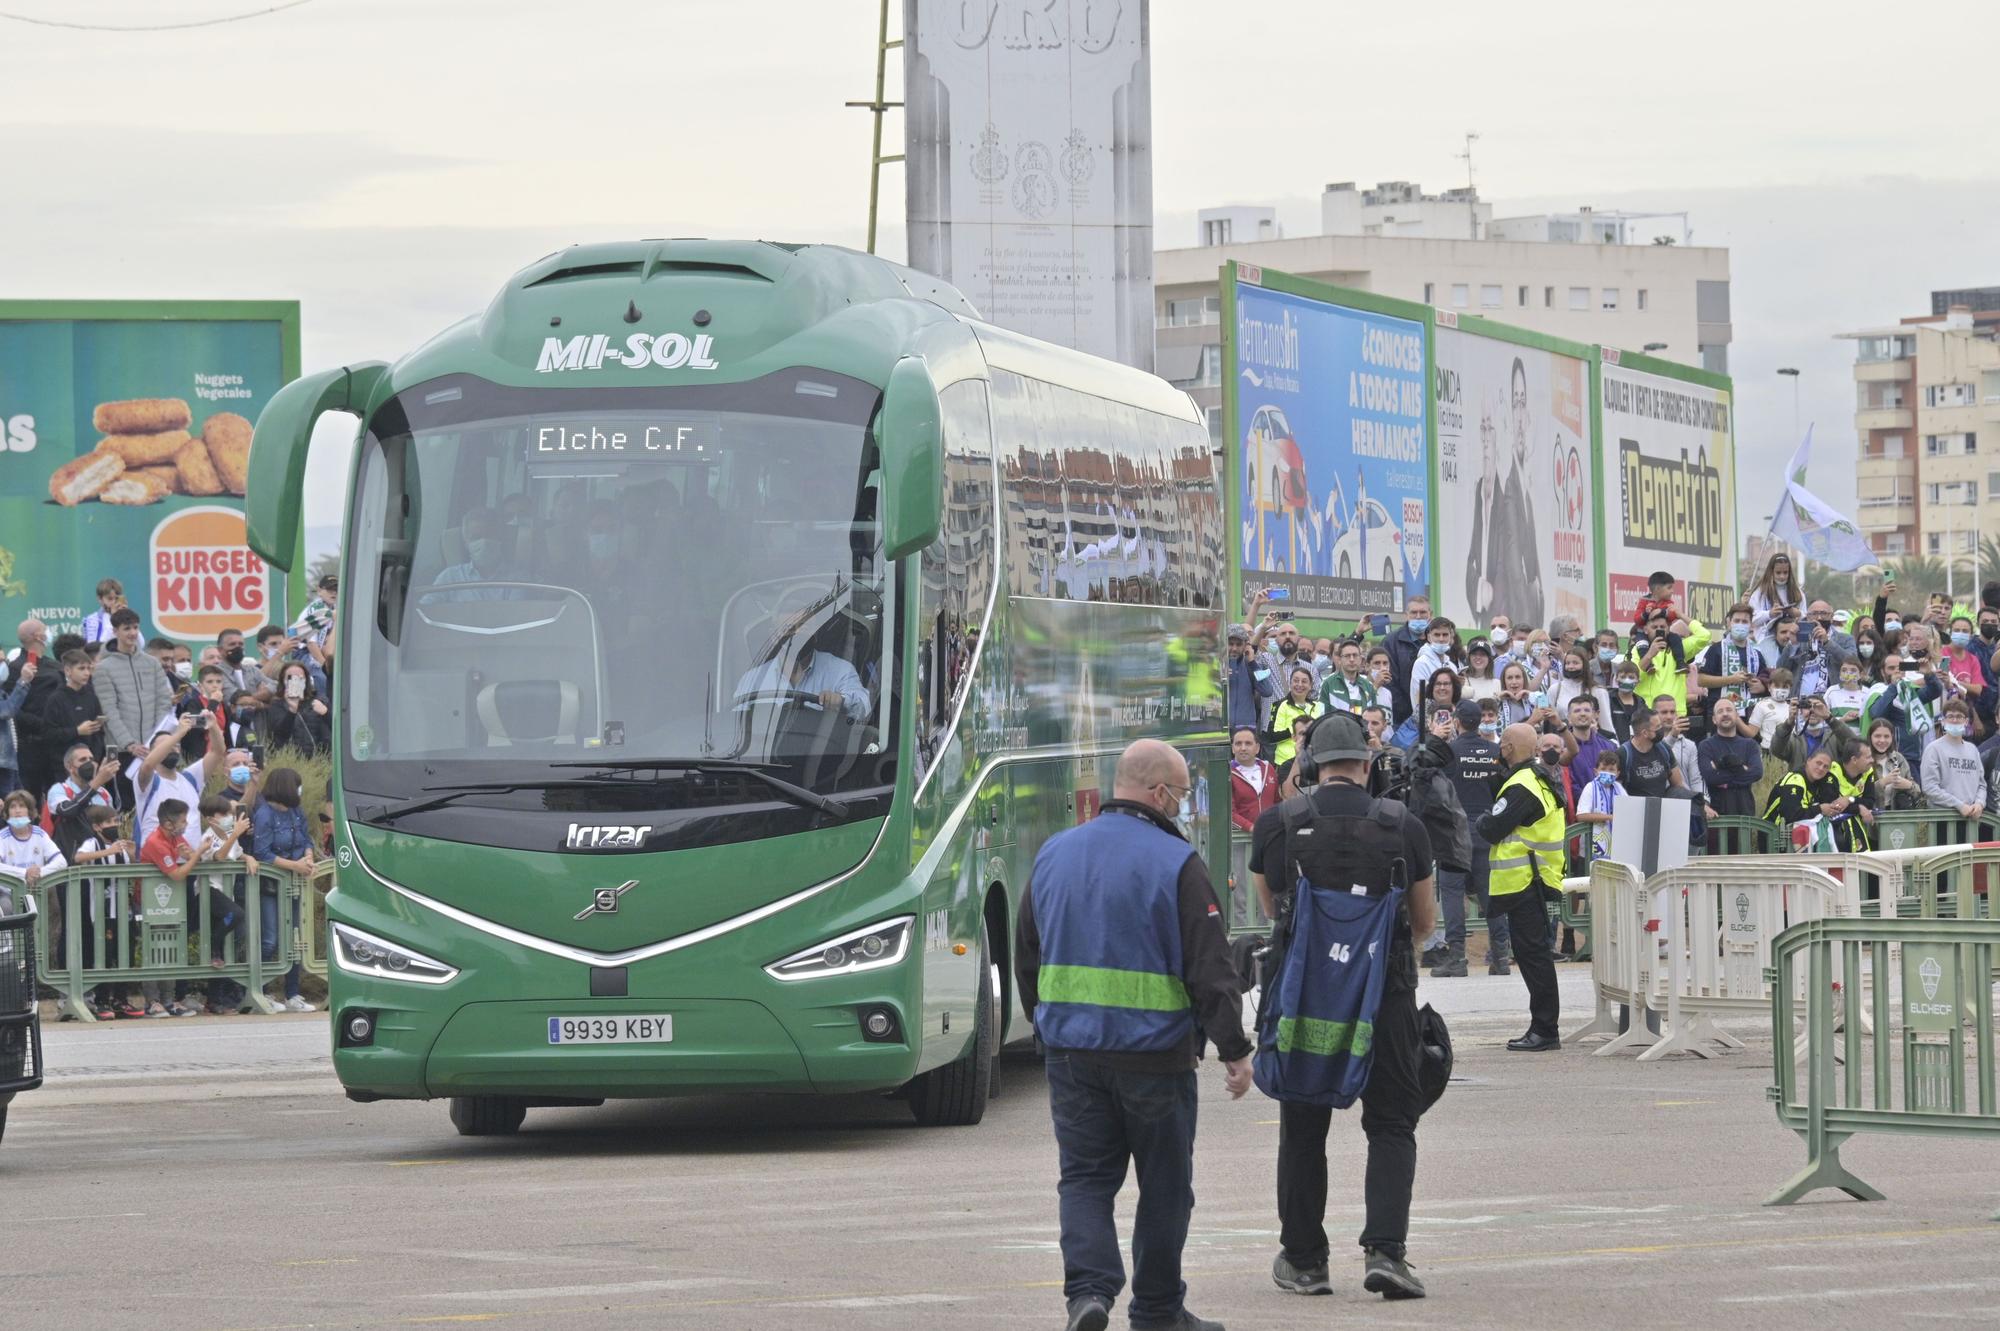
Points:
(704, 268)
(629, 268)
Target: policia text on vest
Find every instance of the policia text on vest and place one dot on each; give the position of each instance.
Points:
(1125, 965)
(1339, 841)
(1525, 828)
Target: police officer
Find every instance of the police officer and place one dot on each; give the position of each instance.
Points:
(1393, 1099)
(1124, 964)
(1525, 828)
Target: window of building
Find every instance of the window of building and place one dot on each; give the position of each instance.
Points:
(1430, 293)
(1610, 300)
(1193, 310)
(1208, 372)
(1993, 484)
(1934, 543)
(1642, 298)
(1521, 298)
(1933, 445)
(1579, 298)
(1548, 298)
(1892, 445)
(1489, 296)
(1461, 295)
(1971, 442)
(1215, 231)
(1895, 544)
(1214, 418)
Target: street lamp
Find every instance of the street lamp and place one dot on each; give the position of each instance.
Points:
(1791, 372)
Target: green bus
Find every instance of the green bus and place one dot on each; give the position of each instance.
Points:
(723, 627)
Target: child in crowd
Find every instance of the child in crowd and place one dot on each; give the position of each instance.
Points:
(166, 850)
(1659, 598)
(1595, 804)
(223, 828)
(26, 851)
(107, 845)
(110, 600)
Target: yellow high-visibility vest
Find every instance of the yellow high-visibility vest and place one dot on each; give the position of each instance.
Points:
(1539, 844)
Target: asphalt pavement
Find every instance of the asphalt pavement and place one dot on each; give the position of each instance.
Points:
(209, 1174)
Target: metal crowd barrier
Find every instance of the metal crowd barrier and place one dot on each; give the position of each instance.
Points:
(1737, 834)
(1955, 882)
(128, 925)
(1910, 829)
(309, 910)
(1897, 1064)
(1692, 944)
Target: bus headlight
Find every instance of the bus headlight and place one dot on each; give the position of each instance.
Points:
(869, 949)
(364, 954)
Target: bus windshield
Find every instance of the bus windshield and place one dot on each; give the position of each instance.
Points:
(547, 581)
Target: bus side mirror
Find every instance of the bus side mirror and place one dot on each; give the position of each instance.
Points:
(910, 439)
(278, 447)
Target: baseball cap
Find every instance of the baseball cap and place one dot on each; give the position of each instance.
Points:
(1339, 737)
(1843, 617)
(1469, 714)
(1239, 633)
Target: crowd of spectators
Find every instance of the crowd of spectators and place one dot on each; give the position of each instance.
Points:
(119, 749)
(1789, 710)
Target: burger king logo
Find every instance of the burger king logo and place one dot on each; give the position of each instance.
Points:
(205, 577)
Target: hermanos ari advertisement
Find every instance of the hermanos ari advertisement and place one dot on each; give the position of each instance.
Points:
(124, 451)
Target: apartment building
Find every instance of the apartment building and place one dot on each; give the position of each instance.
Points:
(1609, 278)
(1927, 424)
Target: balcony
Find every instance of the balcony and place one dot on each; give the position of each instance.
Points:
(1885, 514)
(1885, 418)
(1869, 468)
(1884, 371)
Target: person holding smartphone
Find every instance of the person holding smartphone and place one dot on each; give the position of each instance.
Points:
(299, 719)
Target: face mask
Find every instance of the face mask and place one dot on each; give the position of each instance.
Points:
(1815, 727)
(183, 670)
(273, 648)
(1779, 695)
(1607, 654)
(1956, 729)
(1850, 681)
(1490, 729)
(1867, 649)
(239, 776)
(295, 687)
(1322, 660)
(1989, 631)
(603, 544)
(19, 822)
(1627, 685)
(1499, 637)
(1606, 778)
(1419, 625)
(1438, 649)
(1892, 626)
(1574, 672)
(482, 550)
(234, 656)
(1961, 639)
(1739, 631)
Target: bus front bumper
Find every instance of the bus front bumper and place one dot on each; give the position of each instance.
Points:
(504, 1048)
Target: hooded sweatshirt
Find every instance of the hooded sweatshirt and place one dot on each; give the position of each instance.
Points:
(1952, 774)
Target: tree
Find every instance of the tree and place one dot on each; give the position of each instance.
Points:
(1917, 576)
(321, 566)
(1989, 561)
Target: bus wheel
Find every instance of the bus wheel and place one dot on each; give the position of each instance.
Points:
(487, 1115)
(955, 1095)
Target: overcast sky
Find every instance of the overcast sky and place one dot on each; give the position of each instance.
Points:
(389, 162)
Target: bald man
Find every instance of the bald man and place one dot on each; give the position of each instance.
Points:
(1525, 827)
(1123, 961)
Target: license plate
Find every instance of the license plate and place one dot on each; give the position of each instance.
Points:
(611, 1030)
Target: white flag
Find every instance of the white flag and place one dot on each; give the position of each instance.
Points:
(1795, 470)
(1826, 536)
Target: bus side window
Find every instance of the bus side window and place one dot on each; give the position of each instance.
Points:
(956, 572)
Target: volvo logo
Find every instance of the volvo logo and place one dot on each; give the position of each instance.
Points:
(605, 900)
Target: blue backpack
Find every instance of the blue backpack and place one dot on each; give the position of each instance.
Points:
(1315, 1027)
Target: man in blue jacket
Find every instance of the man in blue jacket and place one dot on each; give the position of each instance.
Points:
(1404, 644)
(1124, 963)
(1246, 681)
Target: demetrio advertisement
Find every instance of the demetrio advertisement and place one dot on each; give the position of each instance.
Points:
(1332, 434)
(1669, 458)
(127, 439)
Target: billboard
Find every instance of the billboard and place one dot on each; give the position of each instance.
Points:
(126, 430)
(1668, 445)
(1515, 503)
(1028, 164)
(1330, 425)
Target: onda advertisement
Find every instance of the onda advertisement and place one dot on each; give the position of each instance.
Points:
(1332, 456)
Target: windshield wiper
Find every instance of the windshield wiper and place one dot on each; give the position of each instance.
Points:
(797, 794)
(388, 813)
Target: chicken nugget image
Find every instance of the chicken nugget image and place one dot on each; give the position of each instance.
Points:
(145, 450)
(197, 472)
(166, 474)
(84, 478)
(142, 415)
(134, 488)
(228, 438)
